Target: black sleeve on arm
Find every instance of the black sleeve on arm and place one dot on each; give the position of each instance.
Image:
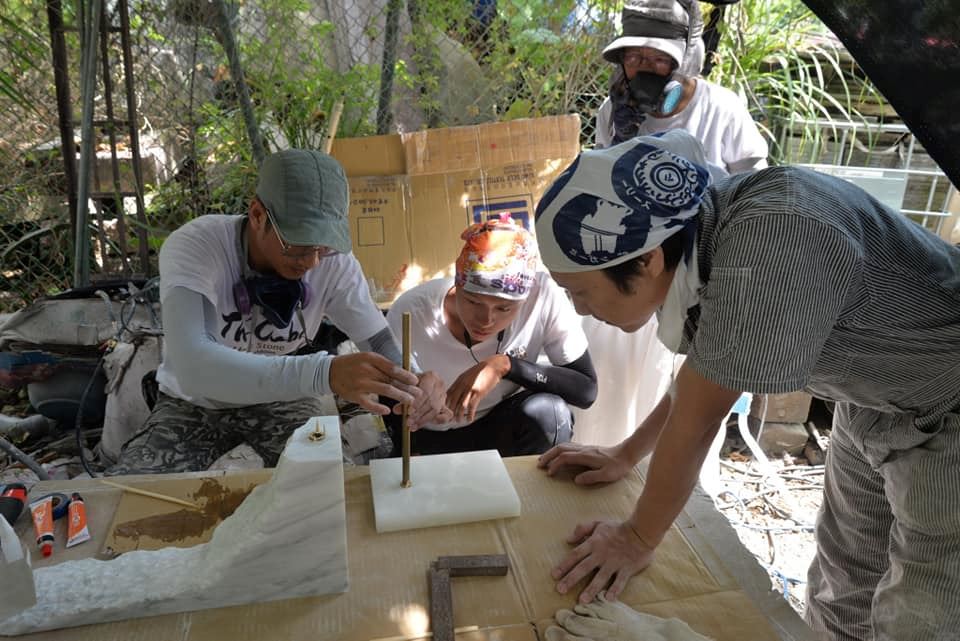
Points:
(575, 382)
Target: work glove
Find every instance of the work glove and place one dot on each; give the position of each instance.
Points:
(602, 620)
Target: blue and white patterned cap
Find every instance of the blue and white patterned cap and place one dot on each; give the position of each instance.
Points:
(614, 204)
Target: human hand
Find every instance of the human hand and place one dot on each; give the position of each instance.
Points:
(432, 408)
(603, 620)
(611, 548)
(474, 384)
(362, 377)
(604, 464)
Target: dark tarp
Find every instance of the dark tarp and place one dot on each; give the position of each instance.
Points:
(910, 49)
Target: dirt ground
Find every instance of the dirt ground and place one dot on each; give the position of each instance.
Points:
(773, 509)
(773, 516)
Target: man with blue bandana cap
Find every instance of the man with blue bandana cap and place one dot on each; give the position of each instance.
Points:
(659, 47)
(773, 282)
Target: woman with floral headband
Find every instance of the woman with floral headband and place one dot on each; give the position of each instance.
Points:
(482, 333)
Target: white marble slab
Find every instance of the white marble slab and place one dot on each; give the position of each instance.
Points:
(447, 489)
(16, 577)
(287, 539)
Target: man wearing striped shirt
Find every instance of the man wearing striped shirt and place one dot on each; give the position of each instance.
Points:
(772, 282)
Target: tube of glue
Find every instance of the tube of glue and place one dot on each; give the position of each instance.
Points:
(77, 531)
(42, 513)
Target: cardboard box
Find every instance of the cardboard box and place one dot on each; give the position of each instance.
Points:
(412, 195)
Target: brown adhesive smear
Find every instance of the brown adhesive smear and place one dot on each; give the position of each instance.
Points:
(217, 503)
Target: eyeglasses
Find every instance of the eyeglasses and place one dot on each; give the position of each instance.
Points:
(297, 252)
(303, 251)
(637, 58)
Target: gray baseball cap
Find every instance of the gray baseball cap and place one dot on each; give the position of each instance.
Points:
(307, 195)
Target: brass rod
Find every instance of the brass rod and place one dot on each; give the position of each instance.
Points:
(406, 482)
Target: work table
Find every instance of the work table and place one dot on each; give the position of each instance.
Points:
(701, 573)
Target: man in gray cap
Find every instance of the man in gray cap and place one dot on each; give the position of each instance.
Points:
(240, 296)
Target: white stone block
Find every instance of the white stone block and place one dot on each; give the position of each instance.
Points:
(447, 489)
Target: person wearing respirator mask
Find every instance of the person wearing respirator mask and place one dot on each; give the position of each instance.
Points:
(655, 87)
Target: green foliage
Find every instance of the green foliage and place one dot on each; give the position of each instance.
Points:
(294, 86)
(226, 181)
(536, 57)
(793, 72)
(23, 46)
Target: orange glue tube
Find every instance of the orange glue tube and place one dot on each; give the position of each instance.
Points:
(42, 513)
(77, 531)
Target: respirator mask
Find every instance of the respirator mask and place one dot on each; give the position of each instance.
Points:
(653, 92)
(278, 298)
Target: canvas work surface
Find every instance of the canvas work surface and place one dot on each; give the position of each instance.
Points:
(701, 574)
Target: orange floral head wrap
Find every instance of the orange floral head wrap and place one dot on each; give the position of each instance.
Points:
(499, 259)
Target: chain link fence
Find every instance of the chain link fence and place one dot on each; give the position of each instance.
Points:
(216, 83)
(396, 65)
(35, 234)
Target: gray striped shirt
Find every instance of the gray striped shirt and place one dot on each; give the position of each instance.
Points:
(809, 283)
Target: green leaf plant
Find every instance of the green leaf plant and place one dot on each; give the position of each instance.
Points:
(799, 82)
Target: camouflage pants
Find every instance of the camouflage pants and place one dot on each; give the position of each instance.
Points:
(179, 436)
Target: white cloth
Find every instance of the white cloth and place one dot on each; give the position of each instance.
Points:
(602, 620)
(204, 256)
(683, 294)
(716, 117)
(126, 410)
(633, 373)
(546, 323)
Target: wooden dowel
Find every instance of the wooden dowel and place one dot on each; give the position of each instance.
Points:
(406, 482)
(333, 125)
(153, 495)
